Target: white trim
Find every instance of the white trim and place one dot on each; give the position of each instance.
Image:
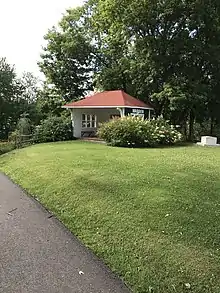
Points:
(103, 107)
(132, 107)
(121, 111)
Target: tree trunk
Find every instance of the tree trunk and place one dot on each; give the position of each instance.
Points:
(185, 129)
(191, 125)
(211, 126)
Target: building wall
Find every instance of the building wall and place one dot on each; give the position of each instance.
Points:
(102, 114)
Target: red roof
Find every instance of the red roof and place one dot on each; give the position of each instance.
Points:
(109, 99)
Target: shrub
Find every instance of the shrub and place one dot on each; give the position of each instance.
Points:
(53, 129)
(6, 147)
(20, 140)
(24, 126)
(136, 132)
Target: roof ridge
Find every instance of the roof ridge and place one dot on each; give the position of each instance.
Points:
(124, 99)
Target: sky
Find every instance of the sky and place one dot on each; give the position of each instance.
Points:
(23, 24)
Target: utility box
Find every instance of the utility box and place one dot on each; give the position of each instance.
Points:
(208, 141)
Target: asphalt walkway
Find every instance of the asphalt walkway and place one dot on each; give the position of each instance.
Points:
(38, 254)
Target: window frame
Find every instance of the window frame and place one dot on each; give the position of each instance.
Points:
(89, 121)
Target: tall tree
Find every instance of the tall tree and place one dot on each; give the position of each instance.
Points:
(170, 47)
(67, 58)
(167, 50)
(8, 89)
(49, 102)
(17, 98)
(30, 87)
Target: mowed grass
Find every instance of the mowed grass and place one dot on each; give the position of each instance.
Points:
(153, 215)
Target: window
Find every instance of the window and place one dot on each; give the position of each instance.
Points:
(89, 121)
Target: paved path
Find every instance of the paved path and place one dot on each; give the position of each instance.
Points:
(37, 254)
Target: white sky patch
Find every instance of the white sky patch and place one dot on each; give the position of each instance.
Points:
(23, 24)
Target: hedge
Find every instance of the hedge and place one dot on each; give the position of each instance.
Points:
(53, 129)
(136, 132)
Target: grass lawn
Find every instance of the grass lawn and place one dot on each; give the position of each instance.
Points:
(153, 215)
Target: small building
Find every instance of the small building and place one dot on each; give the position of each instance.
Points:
(87, 113)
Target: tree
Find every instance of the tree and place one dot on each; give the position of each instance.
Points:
(173, 56)
(67, 59)
(49, 102)
(30, 87)
(8, 89)
(167, 50)
(17, 98)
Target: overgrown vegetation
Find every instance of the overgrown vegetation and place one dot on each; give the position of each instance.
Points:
(6, 147)
(24, 102)
(49, 130)
(151, 214)
(136, 132)
(17, 98)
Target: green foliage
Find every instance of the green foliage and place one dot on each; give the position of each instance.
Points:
(167, 51)
(203, 129)
(67, 58)
(136, 132)
(53, 129)
(15, 138)
(20, 140)
(6, 147)
(24, 126)
(22, 136)
(8, 89)
(17, 97)
(49, 102)
(171, 54)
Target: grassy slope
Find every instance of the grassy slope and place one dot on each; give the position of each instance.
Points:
(153, 215)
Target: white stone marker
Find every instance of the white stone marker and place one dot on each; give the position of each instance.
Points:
(208, 141)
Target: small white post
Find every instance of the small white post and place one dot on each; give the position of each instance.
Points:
(121, 111)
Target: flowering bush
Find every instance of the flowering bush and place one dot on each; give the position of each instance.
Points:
(136, 132)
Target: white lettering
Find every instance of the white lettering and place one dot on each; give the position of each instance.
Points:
(138, 111)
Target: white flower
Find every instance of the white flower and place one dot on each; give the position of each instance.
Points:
(187, 285)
